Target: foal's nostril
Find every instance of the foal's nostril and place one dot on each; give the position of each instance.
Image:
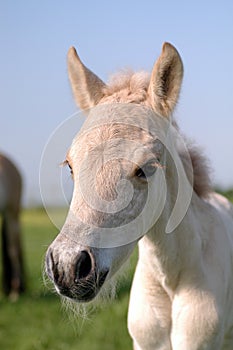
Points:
(83, 266)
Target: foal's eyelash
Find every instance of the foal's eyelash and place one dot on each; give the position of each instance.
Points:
(158, 164)
(66, 163)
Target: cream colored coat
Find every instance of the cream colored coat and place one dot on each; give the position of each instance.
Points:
(182, 292)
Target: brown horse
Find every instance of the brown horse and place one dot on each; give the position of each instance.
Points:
(10, 196)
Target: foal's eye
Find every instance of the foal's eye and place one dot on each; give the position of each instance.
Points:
(146, 171)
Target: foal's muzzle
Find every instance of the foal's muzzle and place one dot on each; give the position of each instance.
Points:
(80, 280)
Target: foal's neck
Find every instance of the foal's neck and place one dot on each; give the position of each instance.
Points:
(166, 254)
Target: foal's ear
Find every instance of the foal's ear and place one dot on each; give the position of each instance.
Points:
(86, 86)
(165, 82)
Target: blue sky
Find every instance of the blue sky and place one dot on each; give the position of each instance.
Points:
(35, 93)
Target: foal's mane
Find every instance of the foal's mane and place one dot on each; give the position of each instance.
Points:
(132, 87)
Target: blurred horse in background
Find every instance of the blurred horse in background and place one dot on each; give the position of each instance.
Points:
(10, 197)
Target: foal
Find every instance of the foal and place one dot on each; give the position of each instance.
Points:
(136, 181)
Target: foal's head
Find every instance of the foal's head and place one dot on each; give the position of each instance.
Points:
(117, 164)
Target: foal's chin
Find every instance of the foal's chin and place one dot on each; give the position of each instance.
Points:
(77, 297)
(85, 290)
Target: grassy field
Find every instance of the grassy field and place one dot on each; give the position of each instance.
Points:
(227, 194)
(37, 321)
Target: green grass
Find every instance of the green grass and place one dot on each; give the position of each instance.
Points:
(228, 194)
(38, 321)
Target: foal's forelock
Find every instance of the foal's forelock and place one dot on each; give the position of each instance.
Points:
(127, 87)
